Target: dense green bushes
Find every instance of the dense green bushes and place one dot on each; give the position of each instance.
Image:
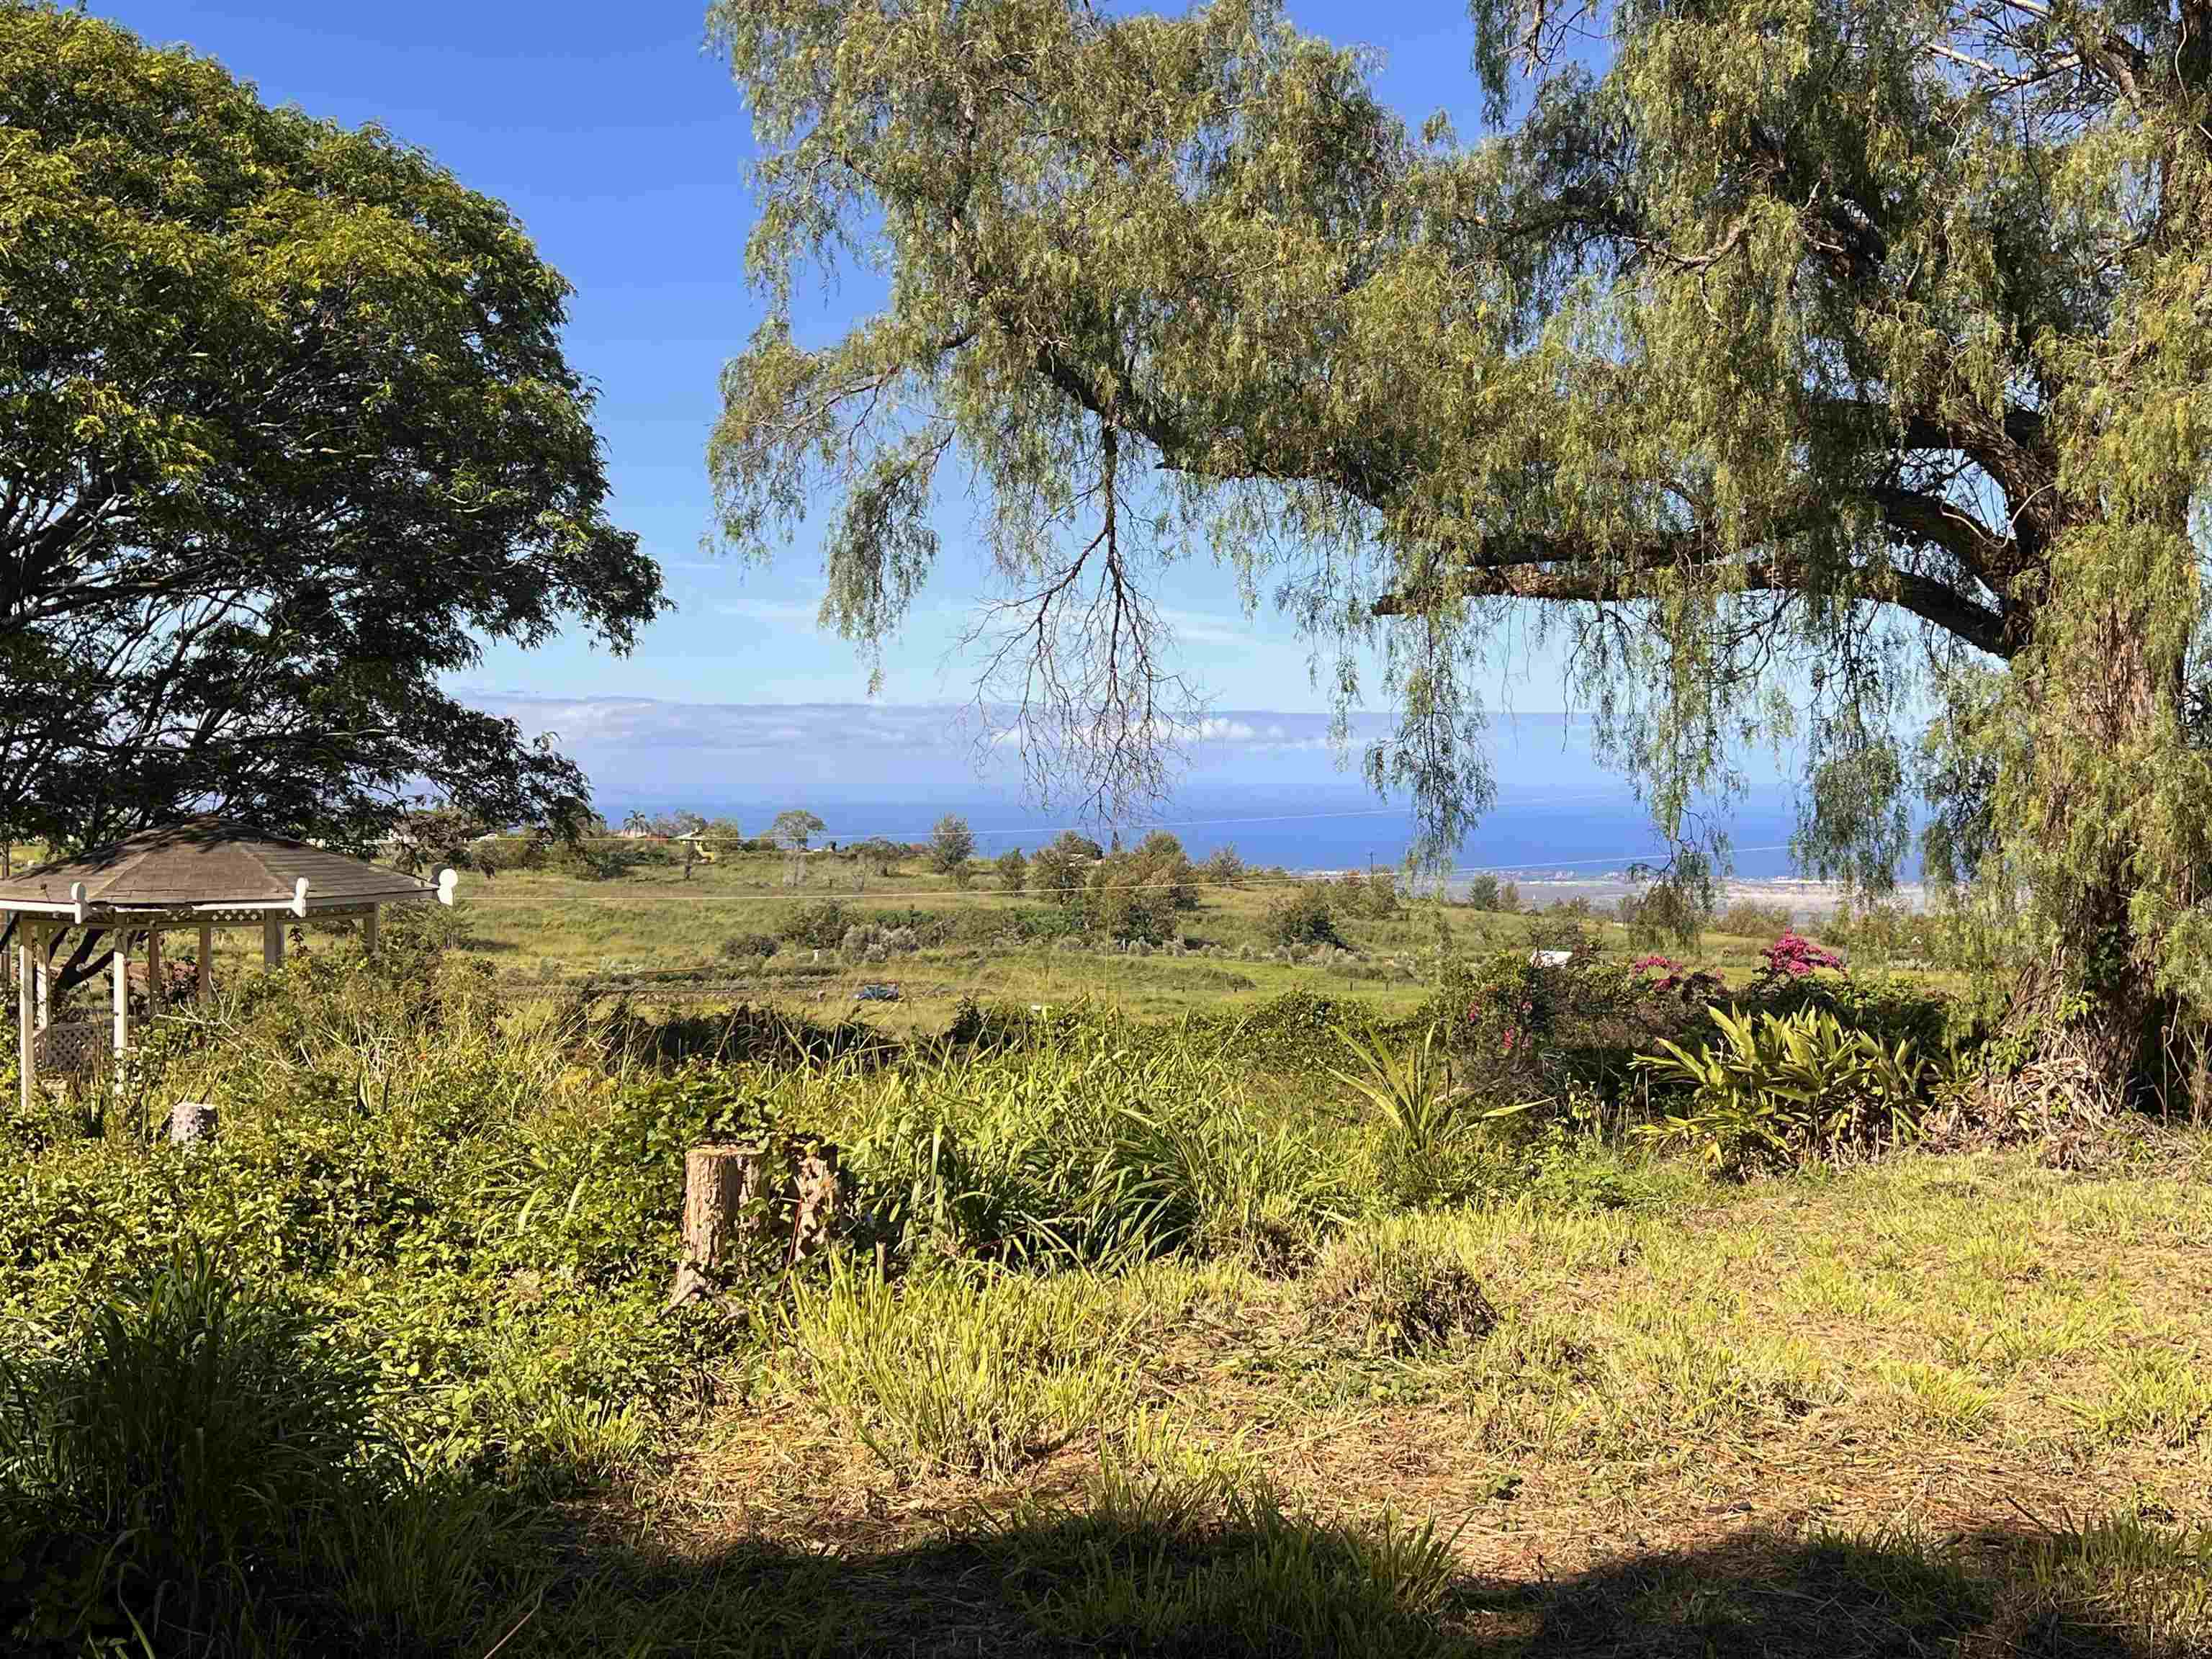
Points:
(186, 1461)
(1789, 1088)
(1301, 914)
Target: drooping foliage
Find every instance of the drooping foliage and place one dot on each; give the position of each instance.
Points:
(1813, 371)
(286, 434)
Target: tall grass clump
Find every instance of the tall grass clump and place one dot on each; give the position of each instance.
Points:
(175, 1467)
(1400, 1284)
(942, 1372)
(1087, 1147)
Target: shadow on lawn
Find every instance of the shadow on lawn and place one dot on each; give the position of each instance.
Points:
(1156, 1577)
(193, 1472)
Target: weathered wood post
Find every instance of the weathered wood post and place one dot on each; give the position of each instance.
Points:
(119, 962)
(722, 1185)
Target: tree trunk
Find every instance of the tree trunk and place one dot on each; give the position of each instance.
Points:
(721, 1190)
(2106, 704)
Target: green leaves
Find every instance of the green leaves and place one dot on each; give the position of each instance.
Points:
(287, 434)
(1788, 1088)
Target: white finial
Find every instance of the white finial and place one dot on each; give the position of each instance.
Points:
(448, 880)
(76, 898)
(300, 896)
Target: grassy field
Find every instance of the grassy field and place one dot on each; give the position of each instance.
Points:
(1196, 1335)
(665, 932)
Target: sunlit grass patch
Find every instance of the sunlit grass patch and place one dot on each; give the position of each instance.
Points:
(1403, 1284)
(952, 1373)
(1929, 1398)
(2154, 1389)
(1832, 1287)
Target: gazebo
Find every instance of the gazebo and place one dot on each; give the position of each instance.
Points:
(205, 873)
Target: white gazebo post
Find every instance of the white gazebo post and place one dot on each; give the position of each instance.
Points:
(119, 957)
(27, 1003)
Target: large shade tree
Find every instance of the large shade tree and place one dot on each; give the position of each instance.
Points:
(1812, 369)
(286, 435)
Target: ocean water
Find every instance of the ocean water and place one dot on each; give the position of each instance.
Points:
(1530, 836)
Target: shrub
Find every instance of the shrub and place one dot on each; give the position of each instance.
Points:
(951, 844)
(739, 946)
(1789, 1088)
(1748, 921)
(1222, 868)
(186, 1444)
(1482, 891)
(1301, 914)
(1665, 912)
(1564, 926)
(820, 926)
(1061, 867)
(1373, 894)
(1013, 870)
(1790, 957)
(1133, 897)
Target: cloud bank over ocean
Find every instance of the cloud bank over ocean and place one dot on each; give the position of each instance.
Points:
(646, 750)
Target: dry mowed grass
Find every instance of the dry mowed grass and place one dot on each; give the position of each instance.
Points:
(1953, 1403)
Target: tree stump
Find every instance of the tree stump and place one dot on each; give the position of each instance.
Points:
(815, 1178)
(722, 1189)
(190, 1121)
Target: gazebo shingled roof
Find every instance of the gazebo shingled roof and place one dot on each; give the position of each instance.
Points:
(206, 873)
(208, 863)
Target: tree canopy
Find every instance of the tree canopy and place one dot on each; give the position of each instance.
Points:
(286, 434)
(1811, 370)
(795, 828)
(951, 844)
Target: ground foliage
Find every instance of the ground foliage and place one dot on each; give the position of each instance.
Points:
(348, 1377)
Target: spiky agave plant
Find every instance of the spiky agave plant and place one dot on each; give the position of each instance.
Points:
(1414, 1093)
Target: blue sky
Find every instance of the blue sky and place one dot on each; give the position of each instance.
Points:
(623, 148)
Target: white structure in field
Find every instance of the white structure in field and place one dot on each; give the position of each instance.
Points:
(203, 874)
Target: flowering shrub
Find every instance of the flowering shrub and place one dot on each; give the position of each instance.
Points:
(1507, 1008)
(1658, 975)
(1792, 957)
